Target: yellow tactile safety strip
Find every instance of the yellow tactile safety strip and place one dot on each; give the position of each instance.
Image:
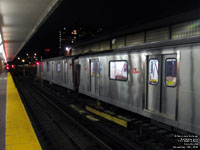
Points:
(19, 131)
(121, 122)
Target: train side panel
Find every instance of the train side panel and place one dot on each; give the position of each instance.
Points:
(58, 71)
(189, 89)
(126, 94)
(161, 83)
(169, 104)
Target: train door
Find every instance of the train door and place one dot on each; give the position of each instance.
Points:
(76, 73)
(65, 68)
(94, 76)
(52, 71)
(154, 84)
(161, 85)
(169, 88)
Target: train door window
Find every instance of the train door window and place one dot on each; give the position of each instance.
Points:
(170, 72)
(94, 76)
(66, 67)
(153, 71)
(97, 69)
(118, 70)
(58, 67)
(65, 72)
(92, 69)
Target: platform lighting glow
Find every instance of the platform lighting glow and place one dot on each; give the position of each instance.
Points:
(2, 52)
(1, 39)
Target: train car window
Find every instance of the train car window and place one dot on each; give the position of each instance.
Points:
(170, 72)
(153, 71)
(58, 67)
(92, 69)
(118, 70)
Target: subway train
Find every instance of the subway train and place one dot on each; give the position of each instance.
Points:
(159, 80)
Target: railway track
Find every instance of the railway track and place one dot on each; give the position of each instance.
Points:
(59, 129)
(53, 121)
(143, 132)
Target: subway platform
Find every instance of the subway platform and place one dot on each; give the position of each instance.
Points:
(16, 131)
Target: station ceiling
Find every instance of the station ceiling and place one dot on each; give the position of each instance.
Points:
(19, 20)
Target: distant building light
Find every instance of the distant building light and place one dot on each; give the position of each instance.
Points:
(23, 60)
(27, 54)
(67, 48)
(74, 32)
(35, 54)
(18, 58)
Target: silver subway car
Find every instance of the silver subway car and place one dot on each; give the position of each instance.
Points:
(58, 71)
(161, 83)
(158, 80)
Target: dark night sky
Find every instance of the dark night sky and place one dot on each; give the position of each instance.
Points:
(107, 14)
